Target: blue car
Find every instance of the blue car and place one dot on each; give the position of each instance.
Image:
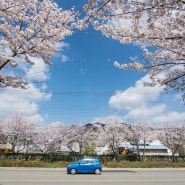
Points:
(85, 165)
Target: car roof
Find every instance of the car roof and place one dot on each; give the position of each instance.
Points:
(90, 159)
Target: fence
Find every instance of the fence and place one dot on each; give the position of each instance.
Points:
(72, 157)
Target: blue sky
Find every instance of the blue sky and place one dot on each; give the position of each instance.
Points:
(83, 86)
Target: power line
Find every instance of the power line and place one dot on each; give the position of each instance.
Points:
(83, 93)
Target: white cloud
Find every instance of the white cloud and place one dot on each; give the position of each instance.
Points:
(26, 102)
(38, 71)
(135, 96)
(155, 115)
(36, 118)
(18, 101)
(171, 117)
(12, 102)
(106, 119)
(82, 71)
(141, 103)
(63, 46)
(64, 58)
(145, 112)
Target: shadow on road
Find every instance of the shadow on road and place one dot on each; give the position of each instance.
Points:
(118, 171)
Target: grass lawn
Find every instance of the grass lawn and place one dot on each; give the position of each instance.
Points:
(110, 164)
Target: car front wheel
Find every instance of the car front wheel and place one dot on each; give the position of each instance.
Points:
(73, 171)
(97, 171)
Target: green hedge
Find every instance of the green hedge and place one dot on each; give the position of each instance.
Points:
(71, 157)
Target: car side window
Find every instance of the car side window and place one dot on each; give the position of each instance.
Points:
(82, 162)
(93, 161)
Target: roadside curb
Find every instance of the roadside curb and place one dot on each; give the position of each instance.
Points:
(103, 169)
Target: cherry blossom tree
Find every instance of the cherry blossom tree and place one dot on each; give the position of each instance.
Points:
(48, 137)
(140, 132)
(22, 131)
(173, 137)
(3, 137)
(77, 136)
(183, 96)
(158, 27)
(1, 125)
(28, 29)
(114, 135)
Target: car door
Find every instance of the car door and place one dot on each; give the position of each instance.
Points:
(84, 166)
(92, 165)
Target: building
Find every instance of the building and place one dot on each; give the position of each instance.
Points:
(5, 145)
(149, 148)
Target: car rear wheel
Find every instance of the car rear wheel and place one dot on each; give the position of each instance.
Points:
(73, 171)
(97, 171)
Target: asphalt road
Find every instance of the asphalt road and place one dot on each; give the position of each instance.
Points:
(36, 176)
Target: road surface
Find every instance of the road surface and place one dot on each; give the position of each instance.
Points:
(36, 176)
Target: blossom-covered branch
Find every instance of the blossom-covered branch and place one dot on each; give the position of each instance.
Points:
(157, 26)
(30, 28)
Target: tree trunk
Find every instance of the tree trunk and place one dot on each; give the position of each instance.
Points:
(144, 150)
